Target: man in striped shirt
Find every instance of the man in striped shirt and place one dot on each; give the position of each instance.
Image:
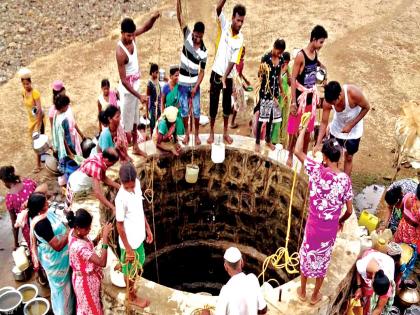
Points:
(193, 63)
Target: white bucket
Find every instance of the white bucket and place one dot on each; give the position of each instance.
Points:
(218, 152)
(20, 258)
(38, 306)
(29, 292)
(191, 173)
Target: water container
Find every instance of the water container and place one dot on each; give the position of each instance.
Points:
(38, 306)
(191, 173)
(218, 152)
(29, 292)
(11, 303)
(20, 258)
(368, 220)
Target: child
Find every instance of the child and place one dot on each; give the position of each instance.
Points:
(108, 97)
(153, 110)
(132, 228)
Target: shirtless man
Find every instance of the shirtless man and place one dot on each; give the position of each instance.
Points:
(303, 82)
(350, 106)
(128, 69)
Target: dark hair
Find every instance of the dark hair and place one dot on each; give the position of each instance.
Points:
(280, 44)
(380, 283)
(36, 203)
(199, 27)
(61, 102)
(332, 150)
(153, 68)
(173, 70)
(105, 83)
(26, 79)
(127, 173)
(128, 26)
(393, 195)
(56, 94)
(332, 91)
(111, 155)
(318, 32)
(141, 127)
(107, 114)
(7, 175)
(239, 9)
(82, 219)
(286, 56)
(234, 266)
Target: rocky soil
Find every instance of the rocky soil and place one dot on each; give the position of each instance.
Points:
(33, 28)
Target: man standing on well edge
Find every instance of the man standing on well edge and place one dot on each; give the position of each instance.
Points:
(128, 69)
(229, 47)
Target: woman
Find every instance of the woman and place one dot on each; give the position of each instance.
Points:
(113, 136)
(58, 90)
(32, 104)
(170, 97)
(16, 198)
(375, 282)
(408, 230)
(330, 191)
(49, 238)
(86, 264)
(165, 137)
(107, 97)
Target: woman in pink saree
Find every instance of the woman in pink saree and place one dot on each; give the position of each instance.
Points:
(330, 190)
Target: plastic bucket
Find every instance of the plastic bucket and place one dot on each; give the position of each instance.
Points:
(218, 152)
(11, 303)
(37, 306)
(191, 173)
(368, 220)
(28, 291)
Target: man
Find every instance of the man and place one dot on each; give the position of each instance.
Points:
(229, 50)
(90, 175)
(128, 69)
(303, 92)
(350, 106)
(166, 139)
(270, 91)
(242, 294)
(193, 63)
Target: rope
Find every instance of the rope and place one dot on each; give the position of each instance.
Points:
(153, 219)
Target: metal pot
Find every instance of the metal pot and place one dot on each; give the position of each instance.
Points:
(321, 75)
(409, 295)
(11, 303)
(40, 143)
(24, 275)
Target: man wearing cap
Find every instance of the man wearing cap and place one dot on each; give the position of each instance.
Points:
(165, 137)
(128, 69)
(241, 295)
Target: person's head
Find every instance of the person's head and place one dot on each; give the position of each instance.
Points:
(394, 250)
(154, 71)
(141, 127)
(318, 36)
(57, 89)
(128, 176)
(394, 196)
(198, 33)
(80, 221)
(233, 261)
(25, 77)
(110, 156)
(37, 204)
(8, 176)
(62, 103)
(105, 87)
(278, 48)
(174, 74)
(286, 58)
(128, 27)
(380, 283)
(238, 17)
(170, 114)
(331, 151)
(332, 92)
(111, 116)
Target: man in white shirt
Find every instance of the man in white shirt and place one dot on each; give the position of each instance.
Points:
(229, 45)
(132, 228)
(241, 295)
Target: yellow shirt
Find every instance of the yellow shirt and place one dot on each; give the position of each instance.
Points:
(29, 100)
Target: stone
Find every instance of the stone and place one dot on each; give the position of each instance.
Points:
(95, 27)
(22, 30)
(12, 45)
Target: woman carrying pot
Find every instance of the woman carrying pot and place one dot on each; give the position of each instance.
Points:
(86, 264)
(375, 282)
(49, 238)
(32, 103)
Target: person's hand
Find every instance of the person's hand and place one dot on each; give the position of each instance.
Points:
(223, 79)
(193, 91)
(316, 148)
(177, 146)
(358, 294)
(156, 15)
(129, 255)
(143, 99)
(149, 236)
(105, 232)
(340, 226)
(347, 128)
(293, 109)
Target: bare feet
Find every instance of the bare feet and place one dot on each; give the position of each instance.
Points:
(289, 162)
(300, 295)
(197, 140)
(139, 302)
(316, 298)
(186, 140)
(228, 139)
(233, 126)
(271, 146)
(257, 148)
(210, 140)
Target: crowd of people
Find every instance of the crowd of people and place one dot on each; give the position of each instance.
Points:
(284, 94)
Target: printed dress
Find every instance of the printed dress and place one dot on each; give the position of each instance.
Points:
(328, 193)
(86, 277)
